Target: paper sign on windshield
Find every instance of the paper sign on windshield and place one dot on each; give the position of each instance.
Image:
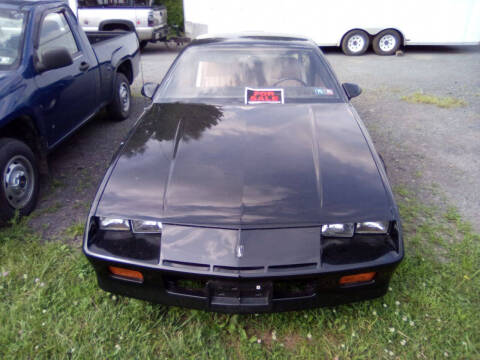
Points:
(261, 96)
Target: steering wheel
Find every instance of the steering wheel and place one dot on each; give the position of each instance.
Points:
(294, 79)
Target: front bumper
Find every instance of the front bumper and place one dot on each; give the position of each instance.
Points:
(242, 295)
(311, 281)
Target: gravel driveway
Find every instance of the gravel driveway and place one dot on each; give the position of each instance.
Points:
(424, 146)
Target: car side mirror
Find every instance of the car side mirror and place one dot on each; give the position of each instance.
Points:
(148, 90)
(54, 59)
(352, 90)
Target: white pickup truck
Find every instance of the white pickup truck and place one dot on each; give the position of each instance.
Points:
(147, 20)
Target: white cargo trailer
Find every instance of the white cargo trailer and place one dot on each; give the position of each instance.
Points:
(351, 24)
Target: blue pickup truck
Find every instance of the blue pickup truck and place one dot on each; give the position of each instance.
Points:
(53, 79)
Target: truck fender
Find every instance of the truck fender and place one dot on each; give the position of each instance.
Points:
(24, 128)
(125, 67)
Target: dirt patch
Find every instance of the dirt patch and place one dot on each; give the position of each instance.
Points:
(292, 341)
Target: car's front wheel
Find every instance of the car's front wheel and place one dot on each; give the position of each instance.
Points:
(119, 108)
(355, 42)
(19, 182)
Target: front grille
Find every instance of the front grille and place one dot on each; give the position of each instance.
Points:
(185, 286)
(293, 267)
(294, 288)
(279, 289)
(184, 265)
(239, 270)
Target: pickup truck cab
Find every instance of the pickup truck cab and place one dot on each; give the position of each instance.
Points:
(53, 79)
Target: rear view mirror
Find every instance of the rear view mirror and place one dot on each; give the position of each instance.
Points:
(352, 90)
(148, 90)
(54, 59)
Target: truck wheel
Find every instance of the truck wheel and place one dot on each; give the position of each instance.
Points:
(119, 108)
(355, 42)
(19, 183)
(386, 42)
(143, 44)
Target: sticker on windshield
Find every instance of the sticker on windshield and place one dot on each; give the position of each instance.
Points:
(261, 96)
(323, 91)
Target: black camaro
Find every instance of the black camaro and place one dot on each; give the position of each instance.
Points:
(249, 185)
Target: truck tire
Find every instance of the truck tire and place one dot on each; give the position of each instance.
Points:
(355, 42)
(20, 182)
(386, 42)
(119, 108)
(143, 44)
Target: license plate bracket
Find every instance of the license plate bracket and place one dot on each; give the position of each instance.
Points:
(240, 293)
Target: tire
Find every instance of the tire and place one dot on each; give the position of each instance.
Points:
(387, 42)
(355, 42)
(118, 29)
(120, 107)
(19, 183)
(143, 44)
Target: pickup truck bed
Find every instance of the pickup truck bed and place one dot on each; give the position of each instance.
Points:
(149, 22)
(110, 48)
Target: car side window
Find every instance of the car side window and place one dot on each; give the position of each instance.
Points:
(54, 33)
(104, 3)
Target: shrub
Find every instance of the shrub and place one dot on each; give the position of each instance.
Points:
(175, 11)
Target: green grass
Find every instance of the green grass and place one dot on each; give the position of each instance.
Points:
(75, 230)
(51, 307)
(442, 102)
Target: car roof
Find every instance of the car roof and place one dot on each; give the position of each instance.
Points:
(253, 38)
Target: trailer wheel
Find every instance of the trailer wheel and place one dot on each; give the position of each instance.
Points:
(119, 108)
(355, 42)
(387, 42)
(19, 182)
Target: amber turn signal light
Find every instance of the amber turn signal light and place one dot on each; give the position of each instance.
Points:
(357, 278)
(126, 273)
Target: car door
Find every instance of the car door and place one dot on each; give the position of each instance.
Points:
(67, 95)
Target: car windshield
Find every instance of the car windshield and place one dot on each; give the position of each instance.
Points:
(12, 28)
(226, 72)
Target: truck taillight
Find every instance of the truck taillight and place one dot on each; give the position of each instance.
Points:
(150, 18)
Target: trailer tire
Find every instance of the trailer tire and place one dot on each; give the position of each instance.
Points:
(355, 42)
(386, 42)
(19, 184)
(120, 107)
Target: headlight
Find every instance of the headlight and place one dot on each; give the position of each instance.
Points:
(125, 238)
(338, 230)
(137, 226)
(372, 227)
(348, 229)
(114, 224)
(146, 226)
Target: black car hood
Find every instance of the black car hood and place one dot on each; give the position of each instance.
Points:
(290, 165)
